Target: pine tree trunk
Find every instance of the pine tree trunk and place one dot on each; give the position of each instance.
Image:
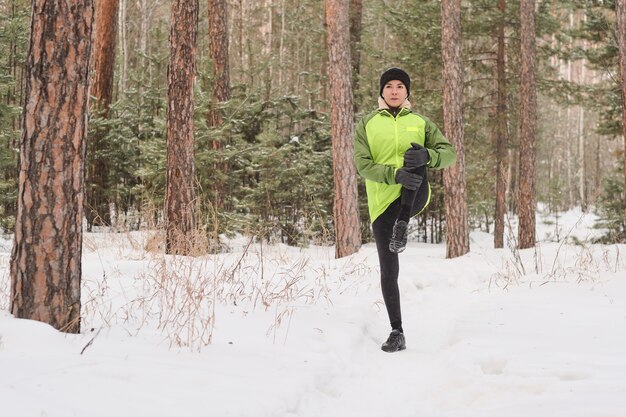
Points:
(266, 30)
(581, 134)
(324, 73)
(346, 206)
(501, 139)
(570, 170)
(123, 48)
(581, 156)
(46, 257)
(242, 60)
(97, 210)
(218, 45)
(568, 137)
(106, 12)
(181, 178)
(281, 46)
(620, 11)
(512, 181)
(457, 231)
(145, 14)
(145, 76)
(528, 126)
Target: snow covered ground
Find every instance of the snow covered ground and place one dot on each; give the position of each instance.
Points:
(295, 332)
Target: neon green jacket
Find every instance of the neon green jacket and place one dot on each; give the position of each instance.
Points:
(379, 145)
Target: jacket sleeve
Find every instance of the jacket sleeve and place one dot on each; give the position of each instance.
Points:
(365, 164)
(442, 153)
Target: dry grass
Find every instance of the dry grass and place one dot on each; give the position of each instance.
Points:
(5, 284)
(178, 295)
(574, 261)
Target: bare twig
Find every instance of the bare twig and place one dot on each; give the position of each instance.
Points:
(90, 341)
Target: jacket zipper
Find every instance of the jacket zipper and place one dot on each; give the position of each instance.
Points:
(395, 125)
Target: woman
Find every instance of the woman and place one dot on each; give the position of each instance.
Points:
(393, 147)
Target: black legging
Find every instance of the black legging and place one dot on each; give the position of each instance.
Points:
(389, 265)
(412, 201)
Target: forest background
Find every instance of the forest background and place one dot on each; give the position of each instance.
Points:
(266, 169)
(243, 148)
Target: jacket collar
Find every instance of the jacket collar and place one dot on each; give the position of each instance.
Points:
(382, 106)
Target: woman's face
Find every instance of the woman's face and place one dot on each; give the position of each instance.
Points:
(394, 93)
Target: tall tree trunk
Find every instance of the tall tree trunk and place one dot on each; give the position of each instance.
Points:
(181, 176)
(145, 14)
(97, 208)
(123, 48)
(242, 42)
(620, 11)
(281, 46)
(570, 170)
(218, 45)
(528, 126)
(512, 181)
(501, 139)
(457, 231)
(324, 74)
(582, 189)
(266, 31)
(46, 256)
(582, 184)
(568, 137)
(346, 205)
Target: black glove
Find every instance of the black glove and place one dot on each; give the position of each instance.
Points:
(408, 180)
(416, 156)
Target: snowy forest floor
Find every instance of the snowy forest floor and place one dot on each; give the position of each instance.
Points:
(294, 332)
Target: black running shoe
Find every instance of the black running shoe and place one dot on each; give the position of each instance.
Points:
(398, 239)
(395, 342)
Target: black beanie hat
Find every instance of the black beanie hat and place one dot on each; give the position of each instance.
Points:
(395, 74)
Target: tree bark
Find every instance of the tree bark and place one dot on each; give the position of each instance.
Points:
(501, 139)
(324, 73)
(568, 138)
(582, 188)
(97, 208)
(242, 56)
(180, 189)
(512, 180)
(620, 11)
(528, 126)
(457, 231)
(346, 211)
(123, 48)
(106, 12)
(281, 46)
(582, 179)
(145, 14)
(46, 256)
(267, 33)
(218, 45)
